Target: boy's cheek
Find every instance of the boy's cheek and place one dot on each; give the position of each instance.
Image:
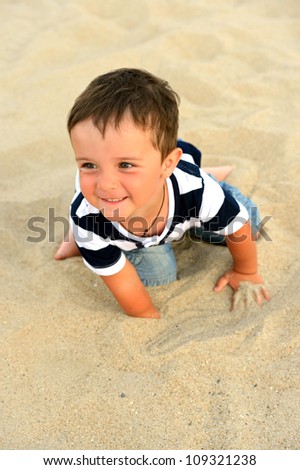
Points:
(87, 189)
(86, 182)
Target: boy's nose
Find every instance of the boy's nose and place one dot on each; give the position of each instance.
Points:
(106, 181)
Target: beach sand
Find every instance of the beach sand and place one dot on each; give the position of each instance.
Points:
(76, 373)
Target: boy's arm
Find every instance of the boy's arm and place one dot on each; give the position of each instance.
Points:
(130, 293)
(242, 247)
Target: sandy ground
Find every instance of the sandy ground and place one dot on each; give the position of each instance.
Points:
(76, 373)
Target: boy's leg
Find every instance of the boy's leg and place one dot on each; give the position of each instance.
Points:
(220, 173)
(155, 266)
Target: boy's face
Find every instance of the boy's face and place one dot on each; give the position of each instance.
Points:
(121, 173)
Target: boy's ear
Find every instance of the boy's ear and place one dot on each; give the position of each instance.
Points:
(171, 161)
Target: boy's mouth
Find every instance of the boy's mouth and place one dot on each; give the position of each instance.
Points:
(115, 199)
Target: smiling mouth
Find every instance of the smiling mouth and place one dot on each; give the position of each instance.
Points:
(119, 199)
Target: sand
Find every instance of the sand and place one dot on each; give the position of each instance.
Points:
(76, 373)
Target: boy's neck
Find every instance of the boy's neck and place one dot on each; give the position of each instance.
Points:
(152, 224)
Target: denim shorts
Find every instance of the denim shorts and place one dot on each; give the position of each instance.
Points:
(156, 265)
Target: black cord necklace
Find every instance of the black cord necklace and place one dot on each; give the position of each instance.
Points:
(155, 219)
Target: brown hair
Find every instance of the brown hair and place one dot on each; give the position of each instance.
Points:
(150, 101)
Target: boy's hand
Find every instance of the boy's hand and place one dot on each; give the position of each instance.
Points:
(242, 247)
(233, 279)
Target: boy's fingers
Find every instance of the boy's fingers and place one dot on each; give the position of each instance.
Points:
(221, 283)
(261, 294)
(266, 293)
(258, 297)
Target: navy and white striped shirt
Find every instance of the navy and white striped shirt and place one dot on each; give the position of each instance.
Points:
(195, 200)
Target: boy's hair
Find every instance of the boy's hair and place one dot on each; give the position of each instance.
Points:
(149, 100)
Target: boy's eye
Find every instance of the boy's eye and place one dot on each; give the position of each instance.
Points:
(89, 166)
(125, 165)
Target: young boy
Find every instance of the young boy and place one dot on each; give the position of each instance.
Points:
(137, 192)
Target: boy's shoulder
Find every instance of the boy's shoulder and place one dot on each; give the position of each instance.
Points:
(187, 179)
(190, 149)
(188, 165)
